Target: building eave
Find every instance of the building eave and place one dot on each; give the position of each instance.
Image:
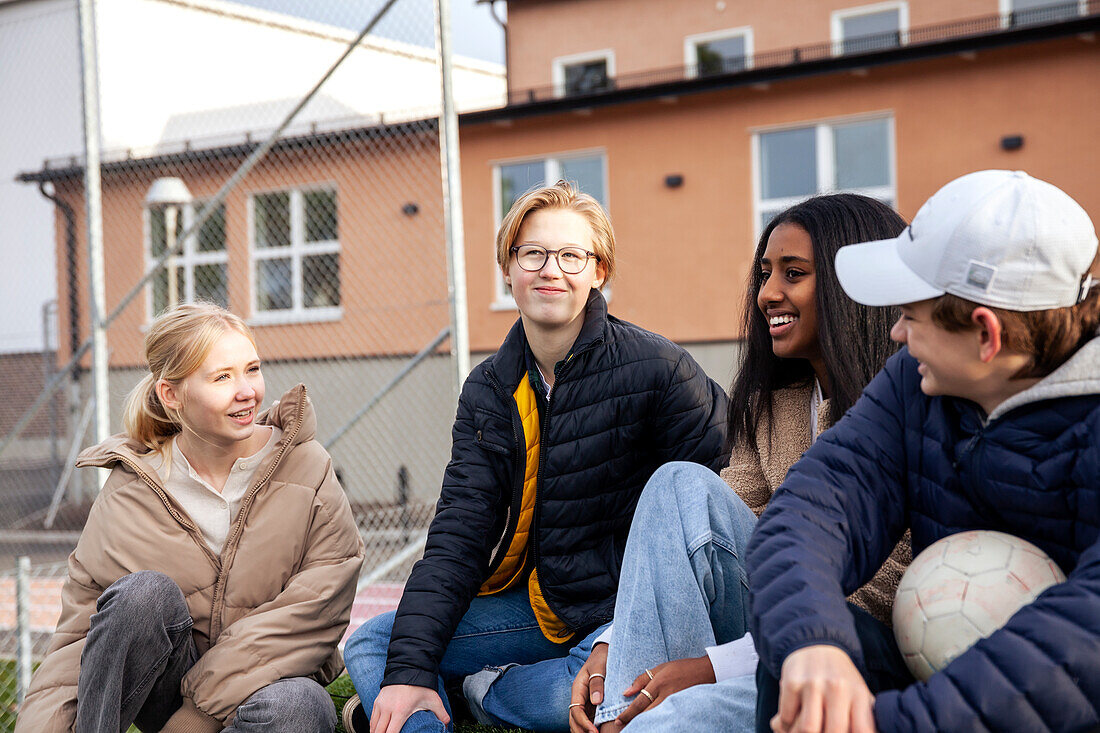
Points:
(197, 156)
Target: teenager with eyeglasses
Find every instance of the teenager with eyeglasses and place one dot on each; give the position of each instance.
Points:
(555, 436)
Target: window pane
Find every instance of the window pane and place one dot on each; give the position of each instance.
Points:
(1028, 12)
(158, 239)
(588, 174)
(320, 216)
(586, 77)
(517, 179)
(720, 56)
(212, 232)
(862, 154)
(160, 289)
(321, 280)
(272, 212)
(156, 232)
(766, 216)
(788, 163)
(871, 31)
(210, 284)
(273, 287)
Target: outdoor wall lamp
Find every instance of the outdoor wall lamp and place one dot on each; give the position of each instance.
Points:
(172, 194)
(410, 209)
(674, 180)
(1012, 142)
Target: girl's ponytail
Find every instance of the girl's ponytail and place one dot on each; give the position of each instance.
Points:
(144, 417)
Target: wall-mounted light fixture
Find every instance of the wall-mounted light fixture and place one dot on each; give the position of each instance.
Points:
(410, 209)
(674, 180)
(1012, 142)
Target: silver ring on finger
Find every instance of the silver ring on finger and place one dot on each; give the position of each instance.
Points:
(646, 693)
(650, 673)
(596, 674)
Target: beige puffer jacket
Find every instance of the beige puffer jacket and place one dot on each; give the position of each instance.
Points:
(756, 474)
(274, 605)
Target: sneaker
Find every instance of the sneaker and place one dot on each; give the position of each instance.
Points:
(355, 717)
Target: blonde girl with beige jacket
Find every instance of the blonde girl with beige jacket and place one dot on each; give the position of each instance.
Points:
(217, 569)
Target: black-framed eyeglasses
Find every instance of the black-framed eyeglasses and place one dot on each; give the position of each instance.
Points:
(571, 260)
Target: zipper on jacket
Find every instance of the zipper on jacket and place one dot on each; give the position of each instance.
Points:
(559, 372)
(235, 530)
(184, 521)
(512, 518)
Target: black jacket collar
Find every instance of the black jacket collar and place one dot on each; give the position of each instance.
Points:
(509, 364)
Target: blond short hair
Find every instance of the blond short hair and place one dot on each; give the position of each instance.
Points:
(177, 344)
(562, 195)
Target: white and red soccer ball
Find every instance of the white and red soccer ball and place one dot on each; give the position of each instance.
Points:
(962, 589)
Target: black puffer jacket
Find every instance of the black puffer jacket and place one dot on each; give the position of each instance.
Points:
(624, 402)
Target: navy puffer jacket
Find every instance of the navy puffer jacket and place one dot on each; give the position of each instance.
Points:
(901, 459)
(625, 401)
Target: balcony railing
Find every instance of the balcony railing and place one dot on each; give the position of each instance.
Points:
(860, 46)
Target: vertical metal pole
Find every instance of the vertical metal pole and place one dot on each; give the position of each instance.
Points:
(23, 624)
(93, 204)
(49, 355)
(452, 200)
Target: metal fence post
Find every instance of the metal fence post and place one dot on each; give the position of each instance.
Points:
(23, 625)
(93, 203)
(453, 226)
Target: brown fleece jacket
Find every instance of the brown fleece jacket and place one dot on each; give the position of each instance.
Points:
(756, 474)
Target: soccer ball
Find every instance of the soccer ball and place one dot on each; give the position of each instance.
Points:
(962, 589)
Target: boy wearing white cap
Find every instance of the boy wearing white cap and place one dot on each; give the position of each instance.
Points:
(988, 419)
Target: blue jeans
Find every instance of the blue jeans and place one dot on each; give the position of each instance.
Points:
(496, 630)
(682, 588)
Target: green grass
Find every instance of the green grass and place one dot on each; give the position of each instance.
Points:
(8, 683)
(340, 690)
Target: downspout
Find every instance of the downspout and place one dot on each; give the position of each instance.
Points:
(70, 254)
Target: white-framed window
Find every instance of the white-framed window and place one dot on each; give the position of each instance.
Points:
(584, 73)
(870, 27)
(719, 52)
(1036, 12)
(512, 179)
(200, 270)
(295, 248)
(793, 163)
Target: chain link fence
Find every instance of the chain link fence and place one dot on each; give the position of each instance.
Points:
(327, 237)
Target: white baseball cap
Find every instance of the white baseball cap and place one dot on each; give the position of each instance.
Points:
(999, 238)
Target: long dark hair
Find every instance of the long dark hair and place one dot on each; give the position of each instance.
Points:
(854, 339)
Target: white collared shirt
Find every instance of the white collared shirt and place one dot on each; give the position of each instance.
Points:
(213, 511)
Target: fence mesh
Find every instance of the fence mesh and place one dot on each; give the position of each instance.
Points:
(331, 246)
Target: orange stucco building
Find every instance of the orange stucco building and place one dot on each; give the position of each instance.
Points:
(694, 158)
(692, 120)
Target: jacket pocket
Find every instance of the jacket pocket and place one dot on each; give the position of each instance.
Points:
(491, 432)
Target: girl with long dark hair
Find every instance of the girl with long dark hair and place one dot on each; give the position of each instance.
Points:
(679, 647)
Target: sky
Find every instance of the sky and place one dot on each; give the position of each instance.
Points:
(474, 31)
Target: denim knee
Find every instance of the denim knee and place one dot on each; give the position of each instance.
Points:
(372, 639)
(674, 482)
(145, 594)
(294, 705)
